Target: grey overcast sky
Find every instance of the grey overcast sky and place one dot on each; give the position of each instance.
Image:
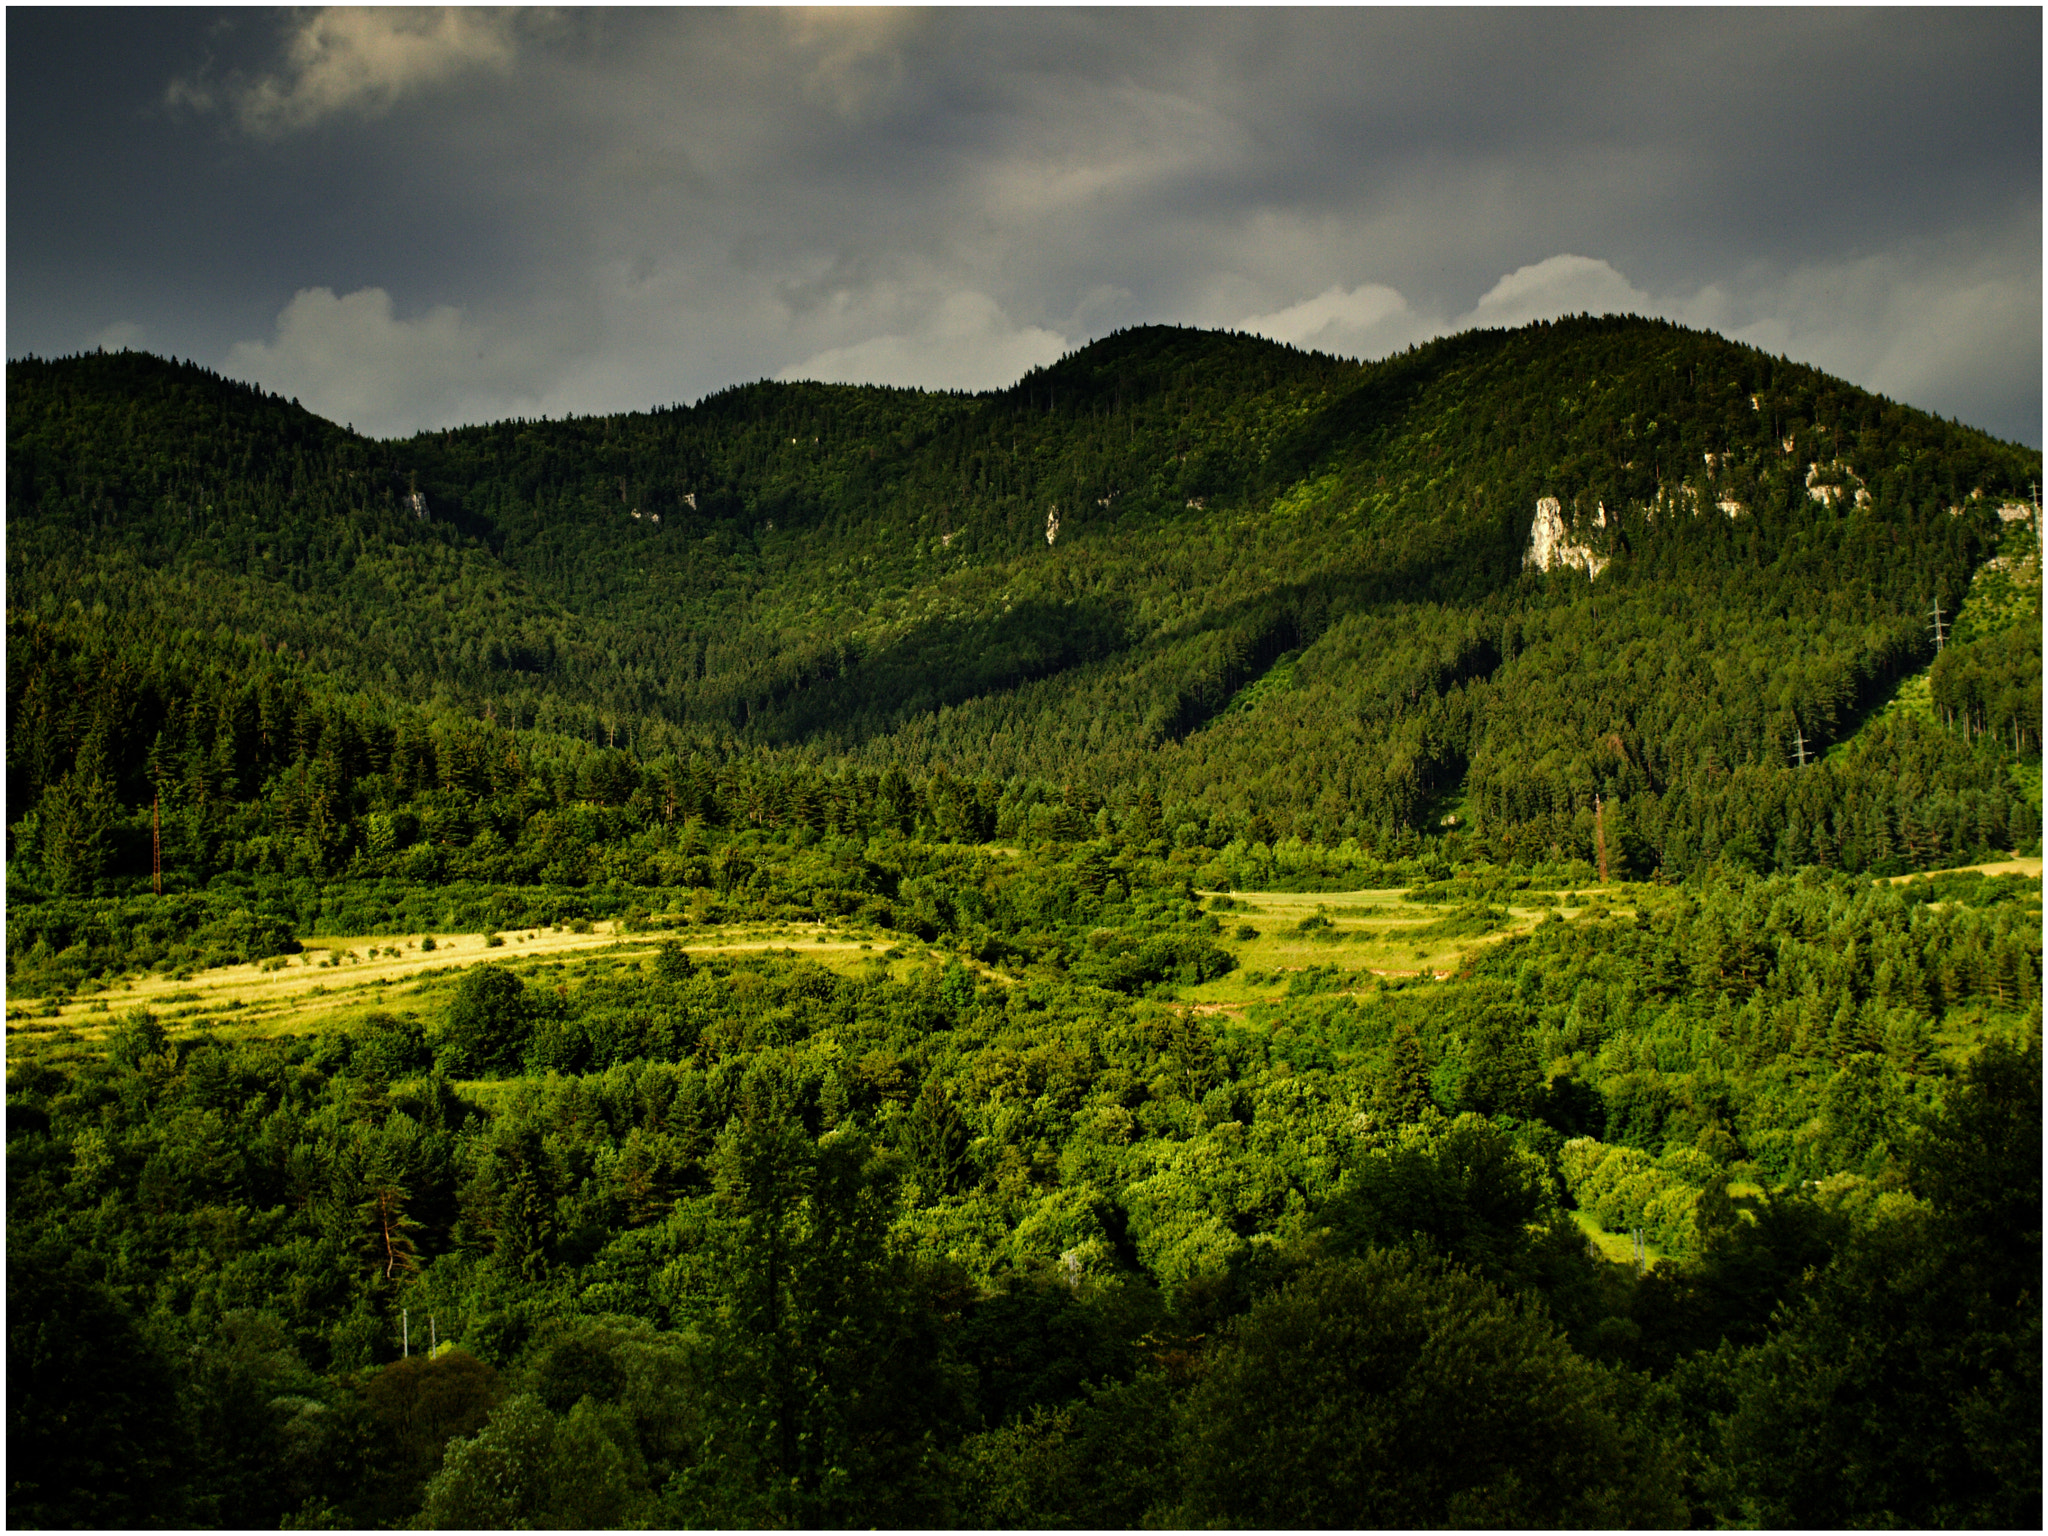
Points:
(409, 219)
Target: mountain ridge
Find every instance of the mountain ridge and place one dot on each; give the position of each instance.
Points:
(856, 577)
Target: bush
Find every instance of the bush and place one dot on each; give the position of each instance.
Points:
(391, 1047)
(138, 1035)
(488, 1024)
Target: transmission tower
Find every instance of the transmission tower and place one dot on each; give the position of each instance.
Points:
(1940, 633)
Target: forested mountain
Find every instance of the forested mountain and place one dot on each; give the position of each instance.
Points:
(1049, 1231)
(1279, 593)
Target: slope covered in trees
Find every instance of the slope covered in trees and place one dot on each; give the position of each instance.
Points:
(1017, 684)
(861, 579)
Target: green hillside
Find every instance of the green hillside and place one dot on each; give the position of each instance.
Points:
(860, 579)
(1108, 953)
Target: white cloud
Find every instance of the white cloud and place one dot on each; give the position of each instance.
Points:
(1554, 286)
(351, 360)
(1374, 319)
(964, 341)
(343, 59)
(1347, 322)
(121, 336)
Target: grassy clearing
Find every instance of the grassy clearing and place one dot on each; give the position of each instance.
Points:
(1615, 1247)
(2030, 867)
(1366, 935)
(336, 982)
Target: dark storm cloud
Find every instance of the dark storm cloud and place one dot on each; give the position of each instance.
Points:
(412, 218)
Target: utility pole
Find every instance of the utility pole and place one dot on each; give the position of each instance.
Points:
(1940, 634)
(1600, 836)
(1799, 746)
(156, 841)
(406, 1315)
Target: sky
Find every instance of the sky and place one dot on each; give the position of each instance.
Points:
(414, 219)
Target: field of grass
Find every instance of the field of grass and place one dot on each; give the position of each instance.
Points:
(2028, 866)
(335, 982)
(1364, 935)
(1353, 937)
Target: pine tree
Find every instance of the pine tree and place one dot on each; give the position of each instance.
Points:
(1402, 1093)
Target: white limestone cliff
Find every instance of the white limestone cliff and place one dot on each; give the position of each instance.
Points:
(1551, 544)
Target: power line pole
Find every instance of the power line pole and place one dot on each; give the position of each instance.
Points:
(156, 841)
(1600, 836)
(1799, 745)
(406, 1314)
(1940, 634)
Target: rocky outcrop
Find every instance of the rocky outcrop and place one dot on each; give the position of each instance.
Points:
(1551, 544)
(1829, 483)
(1052, 524)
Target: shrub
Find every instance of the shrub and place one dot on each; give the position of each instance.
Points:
(489, 1022)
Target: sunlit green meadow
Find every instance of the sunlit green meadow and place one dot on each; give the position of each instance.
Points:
(1365, 936)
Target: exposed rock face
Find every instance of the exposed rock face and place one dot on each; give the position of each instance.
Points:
(2015, 512)
(417, 503)
(1052, 524)
(1551, 545)
(1829, 483)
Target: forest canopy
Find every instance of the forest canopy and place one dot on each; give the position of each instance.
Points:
(1146, 965)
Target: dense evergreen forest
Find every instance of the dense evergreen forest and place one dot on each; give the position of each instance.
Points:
(1014, 1222)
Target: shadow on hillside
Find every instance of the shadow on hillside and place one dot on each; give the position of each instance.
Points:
(936, 664)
